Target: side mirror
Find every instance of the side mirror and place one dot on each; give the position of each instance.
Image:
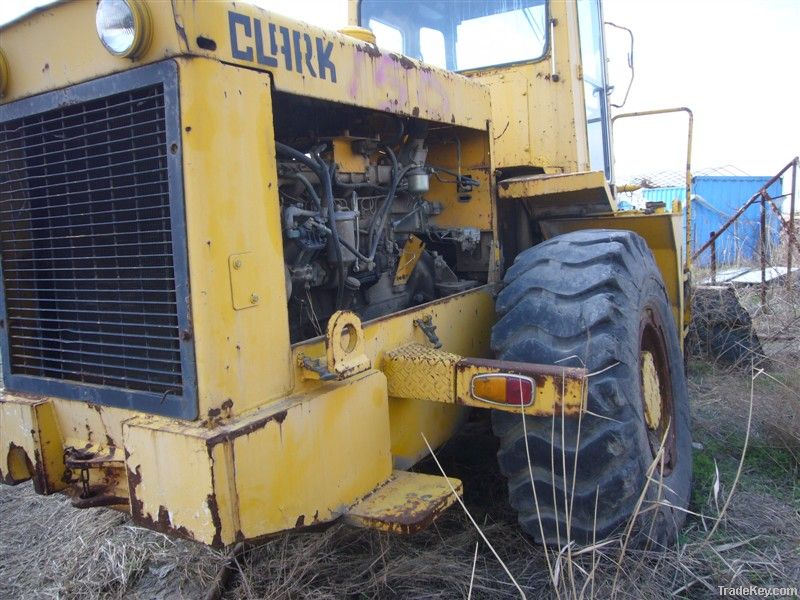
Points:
(630, 64)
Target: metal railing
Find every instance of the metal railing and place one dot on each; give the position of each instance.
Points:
(762, 197)
(690, 132)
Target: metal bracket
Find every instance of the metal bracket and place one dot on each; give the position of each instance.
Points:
(419, 372)
(344, 345)
(429, 329)
(412, 252)
(315, 369)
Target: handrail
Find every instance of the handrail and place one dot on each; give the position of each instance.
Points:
(662, 111)
(745, 206)
(762, 196)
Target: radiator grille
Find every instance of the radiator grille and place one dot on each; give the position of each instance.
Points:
(86, 244)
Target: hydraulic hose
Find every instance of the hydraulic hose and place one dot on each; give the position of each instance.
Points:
(380, 220)
(309, 188)
(337, 247)
(319, 167)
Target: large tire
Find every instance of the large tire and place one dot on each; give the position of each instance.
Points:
(722, 330)
(595, 298)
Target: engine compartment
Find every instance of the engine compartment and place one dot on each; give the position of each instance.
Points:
(364, 212)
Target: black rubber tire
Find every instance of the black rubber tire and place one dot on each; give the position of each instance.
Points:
(588, 294)
(722, 330)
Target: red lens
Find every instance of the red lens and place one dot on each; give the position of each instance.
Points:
(518, 391)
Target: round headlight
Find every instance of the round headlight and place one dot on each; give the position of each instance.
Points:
(123, 26)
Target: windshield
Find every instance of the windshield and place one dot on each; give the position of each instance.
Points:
(460, 35)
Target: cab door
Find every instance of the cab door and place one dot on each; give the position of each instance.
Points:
(595, 85)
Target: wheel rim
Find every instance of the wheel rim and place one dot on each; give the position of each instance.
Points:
(657, 402)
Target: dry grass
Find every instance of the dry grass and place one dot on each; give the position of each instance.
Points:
(50, 550)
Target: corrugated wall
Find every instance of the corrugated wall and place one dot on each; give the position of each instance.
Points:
(716, 199)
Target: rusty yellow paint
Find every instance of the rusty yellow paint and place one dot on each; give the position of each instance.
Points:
(346, 160)
(171, 479)
(236, 361)
(467, 152)
(345, 345)
(558, 390)
(539, 120)
(104, 465)
(651, 391)
(662, 232)
(30, 443)
(364, 75)
(245, 289)
(567, 193)
(407, 503)
(36, 64)
(81, 423)
(408, 417)
(277, 448)
(420, 372)
(297, 462)
(3, 74)
(412, 252)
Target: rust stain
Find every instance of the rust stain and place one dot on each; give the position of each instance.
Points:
(404, 61)
(7, 478)
(230, 435)
(134, 479)
(414, 515)
(215, 415)
(369, 49)
(39, 473)
(518, 368)
(213, 507)
(99, 495)
(539, 373)
(162, 523)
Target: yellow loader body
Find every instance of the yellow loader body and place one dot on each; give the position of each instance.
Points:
(261, 433)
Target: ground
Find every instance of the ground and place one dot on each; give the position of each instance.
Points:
(50, 550)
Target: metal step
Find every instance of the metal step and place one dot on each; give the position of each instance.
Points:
(406, 503)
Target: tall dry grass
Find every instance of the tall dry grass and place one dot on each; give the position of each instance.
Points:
(742, 531)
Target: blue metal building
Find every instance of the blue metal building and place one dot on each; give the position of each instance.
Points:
(715, 200)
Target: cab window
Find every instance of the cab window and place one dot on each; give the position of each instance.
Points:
(460, 35)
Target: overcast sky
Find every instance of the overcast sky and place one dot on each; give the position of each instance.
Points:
(734, 63)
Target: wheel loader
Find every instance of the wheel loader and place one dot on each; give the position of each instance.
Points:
(254, 271)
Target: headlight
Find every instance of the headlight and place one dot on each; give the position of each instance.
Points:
(123, 26)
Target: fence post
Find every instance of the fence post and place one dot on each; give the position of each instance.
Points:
(713, 258)
(763, 251)
(790, 247)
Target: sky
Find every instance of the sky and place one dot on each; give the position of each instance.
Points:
(733, 62)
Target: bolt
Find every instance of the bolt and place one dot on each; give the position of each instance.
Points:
(237, 263)
(253, 299)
